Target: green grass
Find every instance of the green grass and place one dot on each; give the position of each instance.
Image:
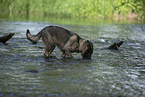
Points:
(76, 8)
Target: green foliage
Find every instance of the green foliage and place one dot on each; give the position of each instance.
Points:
(75, 8)
(127, 6)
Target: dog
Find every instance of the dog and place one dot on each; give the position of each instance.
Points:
(67, 41)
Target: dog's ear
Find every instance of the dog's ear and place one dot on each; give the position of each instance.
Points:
(89, 45)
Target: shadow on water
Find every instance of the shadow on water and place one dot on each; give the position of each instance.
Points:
(112, 73)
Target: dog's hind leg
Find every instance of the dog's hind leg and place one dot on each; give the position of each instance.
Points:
(49, 45)
(49, 50)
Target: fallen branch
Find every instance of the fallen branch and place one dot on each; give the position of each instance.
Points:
(115, 45)
(6, 37)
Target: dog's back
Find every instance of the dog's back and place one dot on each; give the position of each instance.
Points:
(58, 35)
(56, 32)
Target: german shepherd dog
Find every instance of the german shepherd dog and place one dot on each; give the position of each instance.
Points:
(67, 41)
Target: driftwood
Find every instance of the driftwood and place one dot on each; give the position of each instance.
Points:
(6, 37)
(115, 45)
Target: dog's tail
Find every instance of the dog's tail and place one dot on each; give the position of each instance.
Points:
(33, 38)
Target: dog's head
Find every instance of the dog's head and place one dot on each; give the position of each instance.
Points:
(87, 50)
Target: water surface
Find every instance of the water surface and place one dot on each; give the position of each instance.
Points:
(110, 73)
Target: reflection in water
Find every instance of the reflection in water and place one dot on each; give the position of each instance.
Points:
(109, 73)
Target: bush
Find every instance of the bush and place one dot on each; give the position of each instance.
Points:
(76, 8)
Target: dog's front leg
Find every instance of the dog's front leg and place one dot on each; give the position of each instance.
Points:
(63, 54)
(68, 54)
(68, 49)
(71, 46)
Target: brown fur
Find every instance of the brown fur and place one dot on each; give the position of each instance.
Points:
(67, 41)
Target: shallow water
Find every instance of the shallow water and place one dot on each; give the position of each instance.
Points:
(110, 73)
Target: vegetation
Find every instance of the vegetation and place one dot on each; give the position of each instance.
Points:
(77, 8)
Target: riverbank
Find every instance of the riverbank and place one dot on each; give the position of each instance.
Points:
(124, 9)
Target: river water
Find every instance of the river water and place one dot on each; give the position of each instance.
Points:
(110, 73)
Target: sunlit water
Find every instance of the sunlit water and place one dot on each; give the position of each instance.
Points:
(110, 73)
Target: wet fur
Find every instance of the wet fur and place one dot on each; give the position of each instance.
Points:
(67, 41)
